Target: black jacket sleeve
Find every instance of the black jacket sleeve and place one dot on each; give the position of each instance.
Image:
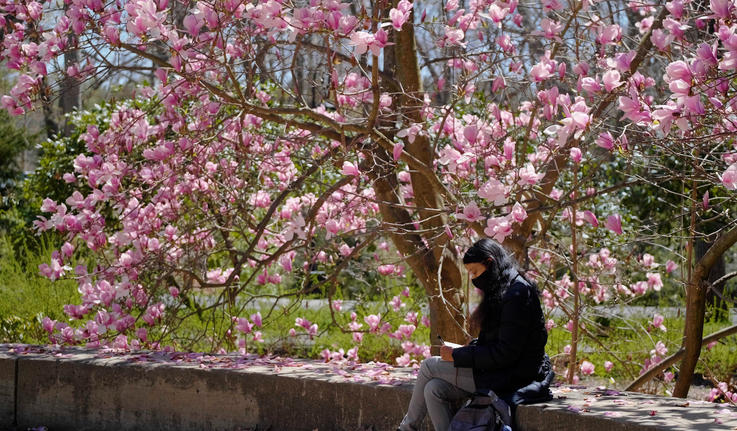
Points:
(514, 330)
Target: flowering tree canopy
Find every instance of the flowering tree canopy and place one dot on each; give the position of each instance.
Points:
(279, 135)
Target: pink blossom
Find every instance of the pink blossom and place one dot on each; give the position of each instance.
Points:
(721, 8)
(670, 266)
(193, 24)
(396, 303)
(729, 177)
(576, 155)
(706, 53)
(623, 60)
(654, 281)
(453, 37)
(705, 201)
(350, 169)
(304, 323)
(608, 34)
(590, 217)
(404, 360)
(550, 324)
(661, 39)
(121, 342)
(587, 368)
(357, 337)
(614, 223)
(48, 324)
(386, 269)
(518, 214)
(660, 349)
(361, 40)
(352, 354)
(658, 322)
(66, 250)
(411, 317)
(404, 331)
(498, 84)
(425, 321)
(410, 133)
(569, 326)
(640, 287)
(144, 18)
(312, 330)
(397, 151)
(398, 18)
(590, 85)
(608, 365)
(668, 376)
(493, 191)
(550, 28)
(678, 70)
(471, 213)
(257, 320)
(711, 345)
(648, 261)
(605, 140)
(373, 321)
(381, 39)
(542, 70)
(611, 80)
(528, 176)
(345, 250)
(498, 228)
(632, 109)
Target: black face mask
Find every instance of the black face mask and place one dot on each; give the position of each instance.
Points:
(483, 281)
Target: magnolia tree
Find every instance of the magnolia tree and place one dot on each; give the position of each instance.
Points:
(278, 136)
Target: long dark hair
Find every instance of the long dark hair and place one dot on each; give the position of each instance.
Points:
(503, 269)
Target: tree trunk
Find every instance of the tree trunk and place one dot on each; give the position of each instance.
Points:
(440, 275)
(714, 292)
(693, 332)
(69, 98)
(696, 307)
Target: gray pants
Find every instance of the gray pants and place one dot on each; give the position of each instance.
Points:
(438, 385)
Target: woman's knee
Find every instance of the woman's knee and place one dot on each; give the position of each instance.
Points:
(437, 389)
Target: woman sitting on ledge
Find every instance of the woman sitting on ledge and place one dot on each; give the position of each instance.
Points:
(508, 357)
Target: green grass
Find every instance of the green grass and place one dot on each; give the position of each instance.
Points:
(631, 342)
(26, 296)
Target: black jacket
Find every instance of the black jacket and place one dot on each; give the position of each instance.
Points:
(510, 349)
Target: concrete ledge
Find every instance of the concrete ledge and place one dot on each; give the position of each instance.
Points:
(78, 389)
(582, 408)
(7, 390)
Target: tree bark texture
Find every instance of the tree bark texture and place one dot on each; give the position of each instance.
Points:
(695, 309)
(440, 275)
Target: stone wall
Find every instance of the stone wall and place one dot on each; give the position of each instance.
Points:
(77, 389)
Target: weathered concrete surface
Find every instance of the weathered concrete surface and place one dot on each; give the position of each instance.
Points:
(83, 391)
(7, 389)
(605, 410)
(77, 389)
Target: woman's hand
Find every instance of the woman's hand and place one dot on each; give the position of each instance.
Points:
(446, 353)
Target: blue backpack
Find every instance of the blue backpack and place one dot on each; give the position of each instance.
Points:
(485, 411)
